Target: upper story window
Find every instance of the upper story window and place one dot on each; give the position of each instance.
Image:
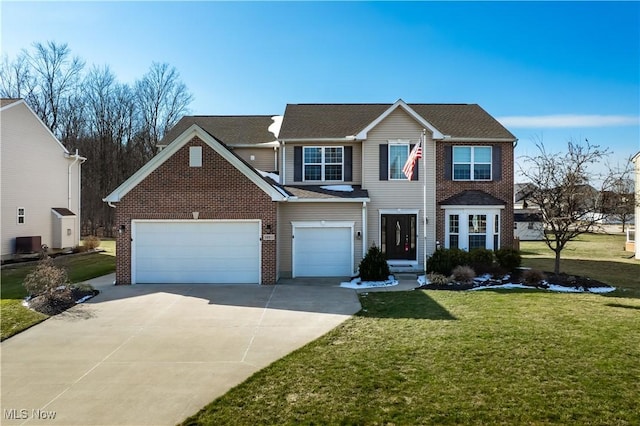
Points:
(472, 162)
(21, 215)
(398, 154)
(195, 156)
(323, 163)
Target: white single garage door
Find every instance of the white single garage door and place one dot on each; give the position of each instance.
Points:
(322, 251)
(211, 252)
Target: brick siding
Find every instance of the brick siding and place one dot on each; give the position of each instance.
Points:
(217, 190)
(502, 189)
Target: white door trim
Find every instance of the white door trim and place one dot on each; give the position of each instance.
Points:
(134, 222)
(319, 224)
(419, 226)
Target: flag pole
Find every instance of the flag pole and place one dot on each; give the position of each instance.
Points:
(424, 197)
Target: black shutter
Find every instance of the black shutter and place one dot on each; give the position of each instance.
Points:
(496, 153)
(297, 164)
(416, 167)
(348, 166)
(384, 161)
(448, 162)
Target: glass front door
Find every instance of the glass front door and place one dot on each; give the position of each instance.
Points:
(398, 235)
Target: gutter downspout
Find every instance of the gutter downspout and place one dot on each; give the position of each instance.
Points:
(284, 162)
(76, 158)
(364, 228)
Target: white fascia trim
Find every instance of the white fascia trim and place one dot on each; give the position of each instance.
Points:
(186, 136)
(482, 140)
(327, 200)
(273, 144)
(401, 104)
(22, 102)
(320, 140)
(471, 207)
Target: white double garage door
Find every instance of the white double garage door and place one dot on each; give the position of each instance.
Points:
(229, 252)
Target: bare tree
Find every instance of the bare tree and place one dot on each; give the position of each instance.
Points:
(161, 99)
(562, 188)
(15, 77)
(55, 75)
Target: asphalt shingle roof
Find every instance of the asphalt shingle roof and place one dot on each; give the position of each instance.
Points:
(230, 129)
(7, 101)
(317, 192)
(472, 198)
(311, 121)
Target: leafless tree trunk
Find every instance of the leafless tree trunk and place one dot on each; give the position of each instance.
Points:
(562, 188)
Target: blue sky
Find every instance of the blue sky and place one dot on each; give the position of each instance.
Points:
(548, 70)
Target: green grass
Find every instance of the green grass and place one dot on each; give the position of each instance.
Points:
(429, 357)
(490, 357)
(597, 256)
(14, 317)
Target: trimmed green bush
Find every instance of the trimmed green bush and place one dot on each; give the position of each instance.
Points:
(481, 260)
(374, 266)
(508, 258)
(444, 260)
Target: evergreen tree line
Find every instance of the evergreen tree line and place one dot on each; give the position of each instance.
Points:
(116, 126)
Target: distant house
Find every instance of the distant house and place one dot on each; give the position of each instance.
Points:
(527, 217)
(636, 161)
(40, 184)
(251, 199)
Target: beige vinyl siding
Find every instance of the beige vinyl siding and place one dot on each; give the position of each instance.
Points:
(34, 176)
(399, 194)
(356, 162)
(263, 158)
(327, 211)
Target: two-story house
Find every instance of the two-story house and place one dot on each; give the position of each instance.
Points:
(40, 184)
(255, 198)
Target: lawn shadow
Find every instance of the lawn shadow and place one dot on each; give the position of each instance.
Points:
(620, 305)
(403, 305)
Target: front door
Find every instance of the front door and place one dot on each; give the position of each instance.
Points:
(398, 234)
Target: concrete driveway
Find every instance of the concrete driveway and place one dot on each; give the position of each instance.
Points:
(155, 354)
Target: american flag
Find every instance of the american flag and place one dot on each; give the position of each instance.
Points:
(414, 156)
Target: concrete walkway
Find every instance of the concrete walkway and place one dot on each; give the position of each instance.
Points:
(155, 354)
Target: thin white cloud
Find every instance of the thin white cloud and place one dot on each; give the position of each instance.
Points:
(569, 120)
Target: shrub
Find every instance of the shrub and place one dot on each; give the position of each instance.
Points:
(91, 242)
(481, 260)
(444, 260)
(374, 266)
(463, 274)
(45, 278)
(533, 276)
(508, 258)
(48, 285)
(438, 279)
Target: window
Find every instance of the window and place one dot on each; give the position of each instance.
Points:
(477, 231)
(472, 162)
(398, 154)
(454, 230)
(21, 215)
(323, 163)
(496, 232)
(195, 156)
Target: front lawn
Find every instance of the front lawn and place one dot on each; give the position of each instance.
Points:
(15, 317)
(443, 357)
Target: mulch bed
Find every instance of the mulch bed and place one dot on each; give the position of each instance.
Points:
(564, 280)
(61, 300)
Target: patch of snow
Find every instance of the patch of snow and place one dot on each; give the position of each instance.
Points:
(274, 176)
(507, 286)
(357, 283)
(483, 278)
(275, 126)
(84, 299)
(422, 280)
(563, 289)
(599, 290)
(339, 188)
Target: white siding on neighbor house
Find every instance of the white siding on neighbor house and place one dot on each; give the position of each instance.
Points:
(264, 159)
(306, 212)
(403, 195)
(355, 161)
(34, 176)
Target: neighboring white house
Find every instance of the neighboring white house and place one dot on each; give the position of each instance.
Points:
(40, 183)
(527, 217)
(636, 161)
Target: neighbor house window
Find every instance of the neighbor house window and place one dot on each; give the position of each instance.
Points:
(323, 163)
(398, 154)
(472, 162)
(21, 215)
